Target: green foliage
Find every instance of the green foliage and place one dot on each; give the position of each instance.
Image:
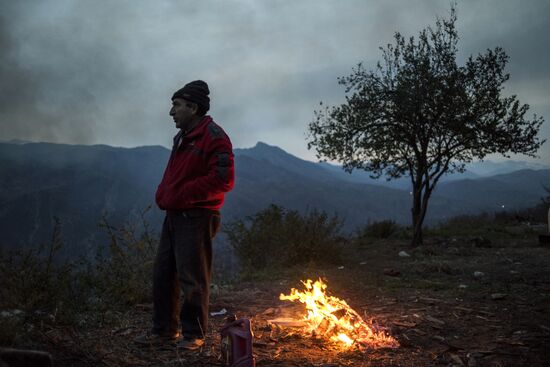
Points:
(275, 238)
(380, 229)
(124, 277)
(32, 281)
(464, 225)
(421, 115)
(537, 213)
(484, 225)
(41, 285)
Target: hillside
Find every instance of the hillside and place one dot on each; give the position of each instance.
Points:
(80, 184)
(77, 184)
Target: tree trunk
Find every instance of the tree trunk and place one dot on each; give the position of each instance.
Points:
(416, 215)
(420, 205)
(417, 236)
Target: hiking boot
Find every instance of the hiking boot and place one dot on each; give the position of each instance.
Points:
(190, 343)
(151, 338)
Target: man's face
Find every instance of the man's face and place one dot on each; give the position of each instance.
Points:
(183, 112)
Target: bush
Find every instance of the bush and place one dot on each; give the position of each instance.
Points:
(33, 282)
(276, 237)
(535, 214)
(466, 224)
(381, 229)
(488, 225)
(38, 284)
(124, 276)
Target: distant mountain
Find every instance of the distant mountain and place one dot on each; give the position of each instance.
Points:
(15, 141)
(491, 168)
(458, 193)
(79, 184)
(474, 170)
(278, 157)
(76, 183)
(500, 192)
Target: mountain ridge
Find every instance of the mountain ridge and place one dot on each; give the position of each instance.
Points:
(80, 184)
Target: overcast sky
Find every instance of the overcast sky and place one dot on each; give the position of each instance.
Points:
(103, 72)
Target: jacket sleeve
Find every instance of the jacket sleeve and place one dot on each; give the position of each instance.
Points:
(161, 190)
(220, 175)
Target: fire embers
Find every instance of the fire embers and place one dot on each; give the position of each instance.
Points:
(332, 318)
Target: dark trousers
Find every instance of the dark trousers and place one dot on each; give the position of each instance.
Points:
(184, 261)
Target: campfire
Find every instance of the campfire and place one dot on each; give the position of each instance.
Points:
(332, 318)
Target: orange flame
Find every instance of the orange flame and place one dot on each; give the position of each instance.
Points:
(333, 318)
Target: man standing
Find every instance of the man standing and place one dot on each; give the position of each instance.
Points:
(200, 170)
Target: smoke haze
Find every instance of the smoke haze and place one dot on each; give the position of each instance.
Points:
(103, 72)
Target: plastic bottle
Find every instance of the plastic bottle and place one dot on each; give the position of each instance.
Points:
(237, 343)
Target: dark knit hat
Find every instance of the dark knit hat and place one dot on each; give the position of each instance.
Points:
(197, 92)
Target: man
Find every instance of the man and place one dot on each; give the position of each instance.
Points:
(200, 170)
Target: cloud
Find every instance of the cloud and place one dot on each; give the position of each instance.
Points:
(87, 72)
(57, 70)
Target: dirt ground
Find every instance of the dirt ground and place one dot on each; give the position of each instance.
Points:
(452, 302)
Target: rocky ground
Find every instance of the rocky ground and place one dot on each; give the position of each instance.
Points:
(464, 301)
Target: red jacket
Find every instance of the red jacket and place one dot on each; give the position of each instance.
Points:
(199, 171)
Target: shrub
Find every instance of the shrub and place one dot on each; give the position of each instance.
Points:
(466, 225)
(124, 276)
(494, 225)
(38, 283)
(535, 214)
(34, 282)
(276, 237)
(381, 229)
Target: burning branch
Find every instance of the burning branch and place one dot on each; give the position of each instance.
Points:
(333, 318)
